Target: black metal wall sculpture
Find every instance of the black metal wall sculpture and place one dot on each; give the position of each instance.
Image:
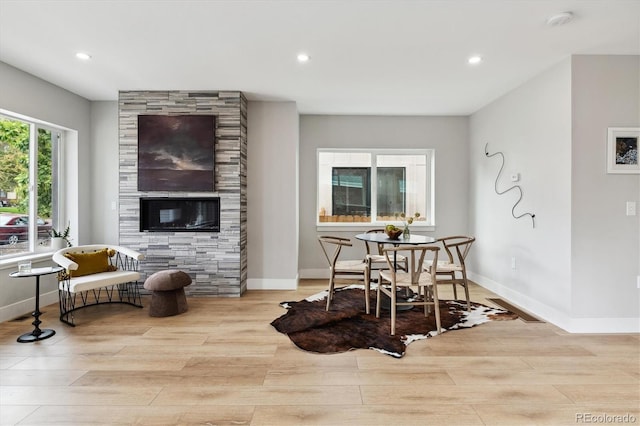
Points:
(486, 152)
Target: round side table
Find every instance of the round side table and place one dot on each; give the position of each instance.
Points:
(37, 333)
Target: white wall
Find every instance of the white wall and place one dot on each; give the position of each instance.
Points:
(25, 94)
(447, 135)
(605, 241)
(104, 170)
(552, 130)
(272, 195)
(532, 127)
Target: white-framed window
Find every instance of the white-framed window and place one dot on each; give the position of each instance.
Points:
(375, 186)
(29, 184)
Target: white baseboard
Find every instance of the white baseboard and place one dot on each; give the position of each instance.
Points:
(27, 306)
(314, 274)
(604, 325)
(556, 317)
(272, 284)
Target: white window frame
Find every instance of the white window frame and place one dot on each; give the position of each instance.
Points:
(56, 131)
(429, 195)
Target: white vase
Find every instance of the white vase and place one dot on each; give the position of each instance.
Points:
(58, 243)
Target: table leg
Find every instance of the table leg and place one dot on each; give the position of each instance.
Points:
(37, 333)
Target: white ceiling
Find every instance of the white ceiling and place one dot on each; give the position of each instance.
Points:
(397, 57)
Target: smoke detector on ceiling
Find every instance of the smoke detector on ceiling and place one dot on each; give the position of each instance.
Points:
(560, 19)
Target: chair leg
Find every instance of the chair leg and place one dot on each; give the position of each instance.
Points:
(436, 306)
(330, 295)
(428, 295)
(393, 310)
(466, 292)
(367, 291)
(425, 297)
(453, 284)
(378, 298)
(465, 283)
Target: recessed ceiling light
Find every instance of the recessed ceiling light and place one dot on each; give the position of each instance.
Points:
(303, 57)
(474, 59)
(560, 19)
(83, 56)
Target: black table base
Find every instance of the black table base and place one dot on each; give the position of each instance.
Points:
(401, 296)
(34, 336)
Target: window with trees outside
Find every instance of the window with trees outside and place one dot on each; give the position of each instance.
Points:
(375, 186)
(29, 159)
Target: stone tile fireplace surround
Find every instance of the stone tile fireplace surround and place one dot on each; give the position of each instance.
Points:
(217, 262)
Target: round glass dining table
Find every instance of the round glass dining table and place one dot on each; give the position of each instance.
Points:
(378, 237)
(381, 238)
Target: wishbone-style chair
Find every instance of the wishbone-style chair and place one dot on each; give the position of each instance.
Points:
(375, 258)
(415, 276)
(453, 270)
(353, 270)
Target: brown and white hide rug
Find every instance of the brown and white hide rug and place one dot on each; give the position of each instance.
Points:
(346, 326)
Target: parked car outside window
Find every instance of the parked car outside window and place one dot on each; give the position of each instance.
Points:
(15, 228)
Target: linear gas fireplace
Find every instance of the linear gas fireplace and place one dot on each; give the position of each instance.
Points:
(189, 214)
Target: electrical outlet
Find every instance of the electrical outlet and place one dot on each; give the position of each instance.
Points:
(631, 208)
(515, 177)
(513, 263)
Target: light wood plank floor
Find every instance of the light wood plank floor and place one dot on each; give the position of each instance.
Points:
(222, 363)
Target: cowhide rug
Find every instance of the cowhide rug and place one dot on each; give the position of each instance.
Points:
(346, 326)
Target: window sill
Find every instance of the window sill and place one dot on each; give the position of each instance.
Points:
(12, 263)
(362, 227)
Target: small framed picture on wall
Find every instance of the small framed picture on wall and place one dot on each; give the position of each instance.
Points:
(622, 150)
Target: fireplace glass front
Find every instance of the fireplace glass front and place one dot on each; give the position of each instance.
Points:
(187, 214)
